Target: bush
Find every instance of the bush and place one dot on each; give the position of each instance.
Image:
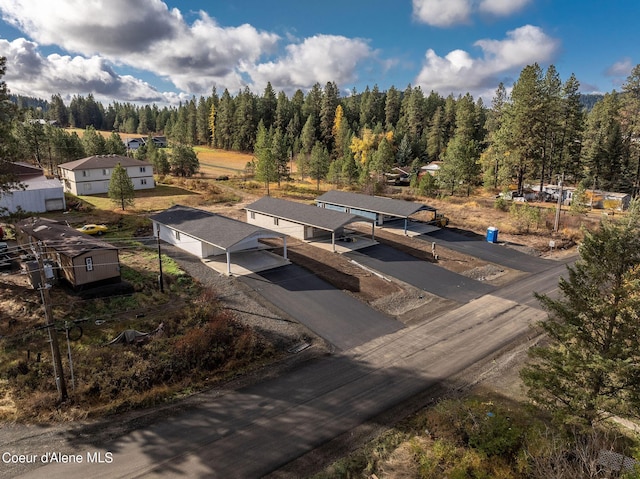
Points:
(501, 204)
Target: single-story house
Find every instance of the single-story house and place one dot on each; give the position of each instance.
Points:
(80, 259)
(91, 176)
(134, 143)
(378, 209)
(40, 194)
(299, 220)
(203, 233)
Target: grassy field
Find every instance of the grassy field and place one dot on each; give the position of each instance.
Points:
(213, 162)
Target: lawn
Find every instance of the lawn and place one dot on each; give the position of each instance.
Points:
(159, 198)
(215, 163)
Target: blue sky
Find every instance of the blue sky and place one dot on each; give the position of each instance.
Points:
(154, 51)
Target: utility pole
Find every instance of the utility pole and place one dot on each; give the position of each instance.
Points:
(48, 315)
(556, 224)
(160, 279)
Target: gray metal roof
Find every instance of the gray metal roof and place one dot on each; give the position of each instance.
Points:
(302, 213)
(376, 204)
(209, 227)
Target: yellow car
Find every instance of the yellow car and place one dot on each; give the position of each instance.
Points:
(93, 229)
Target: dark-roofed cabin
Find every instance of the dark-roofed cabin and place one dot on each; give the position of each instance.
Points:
(205, 234)
(80, 259)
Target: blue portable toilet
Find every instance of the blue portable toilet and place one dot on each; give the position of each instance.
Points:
(492, 234)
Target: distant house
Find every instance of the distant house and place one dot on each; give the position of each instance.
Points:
(134, 143)
(432, 168)
(399, 176)
(39, 195)
(91, 176)
(159, 141)
(78, 258)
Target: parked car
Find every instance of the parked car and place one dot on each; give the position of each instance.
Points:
(93, 229)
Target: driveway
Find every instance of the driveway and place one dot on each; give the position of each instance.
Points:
(342, 320)
(492, 252)
(421, 274)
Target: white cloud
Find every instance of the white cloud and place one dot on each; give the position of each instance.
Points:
(146, 35)
(502, 7)
(446, 13)
(620, 68)
(459, 72)
(321, 58)
(30, 74)
(442, 13)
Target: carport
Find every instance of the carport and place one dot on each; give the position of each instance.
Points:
(206, 234)
(300, 220)
(377, 209)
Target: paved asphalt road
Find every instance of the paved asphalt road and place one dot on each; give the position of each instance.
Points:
(251, 432)
(492, 252)
(333, 315)
(421, 274)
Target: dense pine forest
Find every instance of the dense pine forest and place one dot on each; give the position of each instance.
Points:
(533, 132)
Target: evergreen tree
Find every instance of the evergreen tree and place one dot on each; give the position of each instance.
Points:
(183, 161)
(404, 153)
(319, 163)
(266, 166)
(267, 106)
(203, 133)
(58, 112)
(225, 127)
(590, 368)
(308, 140)
(330, 100)
(114, 145)
(284, 111)
(460, 167)
(602, 145)
(93, 142)
(392, 108)
(280, 150)
(121, 189)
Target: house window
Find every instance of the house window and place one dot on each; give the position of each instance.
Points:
(143, 181)
(253, 215)
(143, 169)
(105, 172)
(85, 173)
(88, 262)
(276, 221)
(177, 235)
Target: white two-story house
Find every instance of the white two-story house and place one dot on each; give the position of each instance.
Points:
(91, 176)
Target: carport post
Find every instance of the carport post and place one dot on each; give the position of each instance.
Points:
(228, 263)
(333, 240)
(373, 230)
(284, 243)
(406, 221)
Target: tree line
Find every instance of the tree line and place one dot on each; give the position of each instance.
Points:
(535, 132)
